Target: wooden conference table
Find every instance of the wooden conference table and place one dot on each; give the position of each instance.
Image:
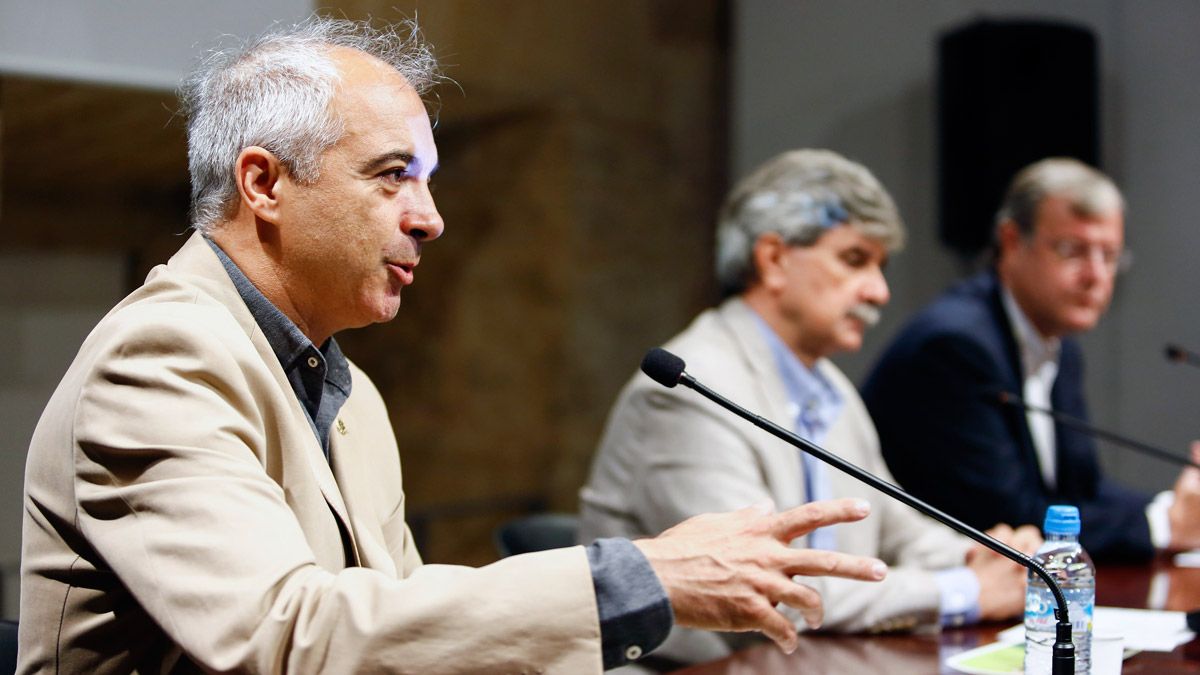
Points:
(819, 654)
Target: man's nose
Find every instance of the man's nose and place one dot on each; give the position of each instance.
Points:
(423, 222)
(1096, 267)
(876, 290)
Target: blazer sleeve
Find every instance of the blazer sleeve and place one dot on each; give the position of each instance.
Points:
(173, 498)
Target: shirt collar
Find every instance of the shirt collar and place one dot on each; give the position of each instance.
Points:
(1036, 351)
(814, 403)
(286, 339)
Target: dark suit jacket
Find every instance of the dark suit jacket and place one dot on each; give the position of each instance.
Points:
(933, 396)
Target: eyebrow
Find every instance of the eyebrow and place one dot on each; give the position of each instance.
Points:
(376, 163)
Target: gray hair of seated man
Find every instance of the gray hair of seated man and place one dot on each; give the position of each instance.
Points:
(799, 195)
(1089, 192)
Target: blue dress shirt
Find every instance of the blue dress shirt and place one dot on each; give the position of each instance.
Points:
(815, 405)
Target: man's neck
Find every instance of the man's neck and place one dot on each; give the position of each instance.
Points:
(766, 310)
(252, 254)
(1031, 341)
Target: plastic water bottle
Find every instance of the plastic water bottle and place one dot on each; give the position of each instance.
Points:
(1070, 566)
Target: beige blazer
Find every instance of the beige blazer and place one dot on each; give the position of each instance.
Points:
(180, 516)
(668, 454)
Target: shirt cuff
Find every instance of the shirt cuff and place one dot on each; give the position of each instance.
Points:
(959, 591)
(1160, 523)
(635, 613)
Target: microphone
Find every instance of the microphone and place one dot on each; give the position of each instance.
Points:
(668, 370)
(1177, 354)
(1007, 398)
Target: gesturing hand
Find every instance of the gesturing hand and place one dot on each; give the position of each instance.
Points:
(728, 571)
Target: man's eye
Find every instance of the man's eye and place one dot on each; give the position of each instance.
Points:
(399, 173)
(855, 258)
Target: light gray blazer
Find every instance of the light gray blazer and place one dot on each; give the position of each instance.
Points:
(668, 454)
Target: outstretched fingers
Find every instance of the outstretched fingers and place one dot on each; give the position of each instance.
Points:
(778, 627)
(730, 571)
(803, 598)
(817, 563)
(799, 521)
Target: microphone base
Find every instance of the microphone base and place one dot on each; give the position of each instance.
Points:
(1063, 665)
(1062, 659)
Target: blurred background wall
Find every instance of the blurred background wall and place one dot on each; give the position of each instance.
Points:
(584, 150)
(860, 77)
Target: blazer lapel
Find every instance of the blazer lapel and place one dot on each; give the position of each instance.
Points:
(1078, 468)
(783, 467)
(744, 329)
(1014, 379)
(370, 544)
(198, 261)
(311, 449)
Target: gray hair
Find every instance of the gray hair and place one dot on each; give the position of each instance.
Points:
(799, 195)
(1089, 192)
(274, 92)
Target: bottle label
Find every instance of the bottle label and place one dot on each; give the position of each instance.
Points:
(1081, 604)
(1040, 605)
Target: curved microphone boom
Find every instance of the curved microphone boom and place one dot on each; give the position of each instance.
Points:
(668, 370)
(1008, 398)
(1177, 354)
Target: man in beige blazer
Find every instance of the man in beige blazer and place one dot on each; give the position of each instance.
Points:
(214, 487)
(801, 245)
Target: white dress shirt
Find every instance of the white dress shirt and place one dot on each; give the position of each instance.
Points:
(1039, 368)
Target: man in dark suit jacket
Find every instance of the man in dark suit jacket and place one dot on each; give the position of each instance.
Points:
(934, 393)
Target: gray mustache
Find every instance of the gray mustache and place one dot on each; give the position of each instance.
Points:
(867, 313)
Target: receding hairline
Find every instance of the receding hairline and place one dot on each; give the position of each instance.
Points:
(361, 77)
(1080, 209)
(1087, 191)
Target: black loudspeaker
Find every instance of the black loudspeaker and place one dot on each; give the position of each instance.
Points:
(1010, 93)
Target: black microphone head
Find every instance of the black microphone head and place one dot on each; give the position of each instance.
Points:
(1176, 353)
(663, 367)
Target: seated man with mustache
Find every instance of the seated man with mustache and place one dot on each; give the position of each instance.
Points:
(800, 249)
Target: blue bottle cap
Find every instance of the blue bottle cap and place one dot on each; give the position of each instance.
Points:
(1061, 520)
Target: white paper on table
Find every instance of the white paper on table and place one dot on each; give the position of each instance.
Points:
(1146, 630)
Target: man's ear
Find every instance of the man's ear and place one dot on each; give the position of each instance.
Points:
(768, 253)
(258, 172)
(1008, 237)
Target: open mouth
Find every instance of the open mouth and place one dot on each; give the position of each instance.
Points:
(402, 271)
